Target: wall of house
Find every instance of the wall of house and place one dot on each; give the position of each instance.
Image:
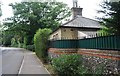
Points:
(64, 33)
(72, 33)
(69, 33)
(56, 35)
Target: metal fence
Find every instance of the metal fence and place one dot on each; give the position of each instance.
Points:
(102, 42)
(67, 43)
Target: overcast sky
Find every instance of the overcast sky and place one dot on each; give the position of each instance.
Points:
(89, 7)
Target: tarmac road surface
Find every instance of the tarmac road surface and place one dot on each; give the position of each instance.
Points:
(11, 60)
(19, 61)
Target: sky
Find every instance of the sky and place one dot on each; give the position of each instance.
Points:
(90, 7)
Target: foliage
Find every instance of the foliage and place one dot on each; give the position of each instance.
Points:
(13, 42)
(112, 16)
(50, 69)
(15, 32)
(41, 43)
(99, 70)
(16, 42)
(36, 14)
(30, 47)
(25, 42)
(30, 16)
(6, 38)
(1, 39)
(105, 31)
(69, 65)
(0, 10)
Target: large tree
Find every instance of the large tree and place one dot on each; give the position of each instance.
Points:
(0, 25)
(112, 16)
(30, 16)
(0, 10)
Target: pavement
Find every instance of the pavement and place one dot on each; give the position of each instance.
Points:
(21, 62)
(32, 65)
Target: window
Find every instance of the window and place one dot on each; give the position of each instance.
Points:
(72, 29)
(64, 30)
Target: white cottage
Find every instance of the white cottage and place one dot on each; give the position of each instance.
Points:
(77, 28)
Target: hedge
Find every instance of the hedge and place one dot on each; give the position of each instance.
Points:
(41, 43)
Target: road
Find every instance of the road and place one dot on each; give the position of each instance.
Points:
(20, 61)
(11, 60)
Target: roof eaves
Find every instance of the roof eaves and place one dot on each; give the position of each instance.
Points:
(68, 22)
(80, 27)
(54, 30)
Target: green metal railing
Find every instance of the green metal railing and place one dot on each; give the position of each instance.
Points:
(102, 42)
(64, 44)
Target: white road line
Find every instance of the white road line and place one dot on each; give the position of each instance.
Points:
(21, 66)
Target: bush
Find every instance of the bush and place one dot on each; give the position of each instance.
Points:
(7, 41)
(16, 43)
(41, 43)
(13, 42)
(68, 65)
(25, 43)
(30, 47)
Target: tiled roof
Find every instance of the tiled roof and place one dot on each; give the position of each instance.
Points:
(82, 22)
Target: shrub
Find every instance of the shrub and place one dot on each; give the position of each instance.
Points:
(68, 65)
(13, 42)
(7, 41)
(16, 43)
(41, 43)
(25, 43)
(30, 47)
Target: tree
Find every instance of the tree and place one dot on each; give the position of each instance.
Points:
(0, 10)
(0, 26)
(112, 16)
(30, 16)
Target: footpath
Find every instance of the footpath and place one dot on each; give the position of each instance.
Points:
(31, 65)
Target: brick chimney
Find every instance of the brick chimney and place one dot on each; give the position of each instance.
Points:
(76, 11)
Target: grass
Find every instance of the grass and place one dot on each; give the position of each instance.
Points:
(50, 69)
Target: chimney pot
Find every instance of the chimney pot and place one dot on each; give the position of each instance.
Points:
(76, 11)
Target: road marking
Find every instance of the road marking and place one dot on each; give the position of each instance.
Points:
(21, 66)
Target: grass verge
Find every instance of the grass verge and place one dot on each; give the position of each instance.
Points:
(50, 69)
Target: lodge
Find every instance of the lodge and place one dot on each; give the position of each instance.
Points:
(77, 28)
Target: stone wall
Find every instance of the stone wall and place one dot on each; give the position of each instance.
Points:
(100, 65)
(95, 60)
